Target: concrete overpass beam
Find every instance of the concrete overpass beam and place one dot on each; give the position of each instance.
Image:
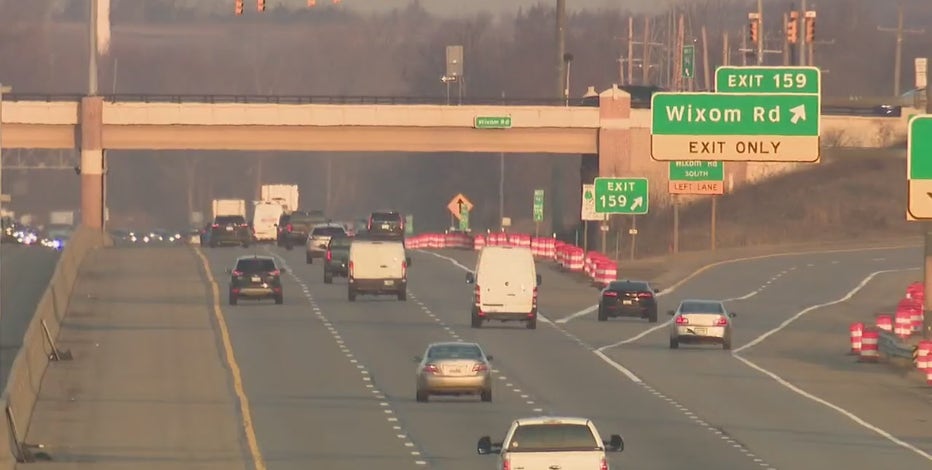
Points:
(615, 132)
(92, 162)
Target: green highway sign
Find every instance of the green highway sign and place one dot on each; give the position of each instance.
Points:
(538, 205)
(801, 80)
(919, 167)
(697, 170)
(688, 63)
(621, 196)
(464, 219)
(492, 122)
(735, 127)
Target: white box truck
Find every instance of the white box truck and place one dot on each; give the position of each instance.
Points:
(285, 195)
(229, 207)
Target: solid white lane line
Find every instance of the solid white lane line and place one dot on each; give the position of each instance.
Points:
(853, 417)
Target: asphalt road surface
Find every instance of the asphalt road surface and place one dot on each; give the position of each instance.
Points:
(330, 384)
(24, 275)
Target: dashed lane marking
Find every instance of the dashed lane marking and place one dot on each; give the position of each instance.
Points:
(245, 412)
(694, 418)
(496, 372)
(390, 416)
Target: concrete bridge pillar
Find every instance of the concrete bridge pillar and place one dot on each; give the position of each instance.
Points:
(92, 162)
(615, 132)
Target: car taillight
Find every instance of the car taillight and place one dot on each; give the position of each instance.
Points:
(722, 321)
(610, 294)
(431, 369)
(404, 269)
(289, 227)
(506, 464)
(349, 268)
(681, 320)
(329, 255)
(604, 465)
(369, 225)
(645, 295)
(244, 225)
(275, 273)
(215, 226)
(480, 368)
(237, 273)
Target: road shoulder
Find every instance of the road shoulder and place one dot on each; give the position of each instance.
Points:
(147, 387)
(811, 354)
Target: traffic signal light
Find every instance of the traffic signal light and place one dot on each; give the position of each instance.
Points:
(239, 7)
(260, 5)
(810, 26)
(792, 28)
(754, 19)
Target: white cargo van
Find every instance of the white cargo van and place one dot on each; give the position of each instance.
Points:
(265, 220)
(506, 282)
(377, 267)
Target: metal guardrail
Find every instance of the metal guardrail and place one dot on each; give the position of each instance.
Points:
(890, 345)
(867, 106)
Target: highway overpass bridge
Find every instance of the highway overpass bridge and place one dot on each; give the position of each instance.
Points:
(612, 130)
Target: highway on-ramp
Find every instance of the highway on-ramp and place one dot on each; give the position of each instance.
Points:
(25, 272)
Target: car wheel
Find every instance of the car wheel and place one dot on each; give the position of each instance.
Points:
(421, 396)
(351, 295)
(476, 321)
(279, 299)
(289, 246)
(602, 315)
(486, 395)
(246, 245)
(309, 259)
(652, 317)
(532, 324)
(233, 299)
(726, 344)
(674, 343)
(403, 295)
(328, 278)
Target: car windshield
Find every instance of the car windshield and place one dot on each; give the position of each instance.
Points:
(255, 265)
(381, 217)
(328, 231)
(306, 217)
(230, 220)
(454, 351)
(699, 306)
(340, 242)
(553, 438)
(630, 286)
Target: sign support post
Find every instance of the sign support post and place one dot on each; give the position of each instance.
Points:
(676, 224)
(712, 241)
(538, 210)
(634, 235)
(927, 272)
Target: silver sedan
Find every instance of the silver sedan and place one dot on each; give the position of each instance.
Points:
(701, 321)
(453, 368)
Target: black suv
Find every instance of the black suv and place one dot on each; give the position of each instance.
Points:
(256, 277)
(386, 223)
(628, 299)
(293, 228)
(230, 230)
(337, 257)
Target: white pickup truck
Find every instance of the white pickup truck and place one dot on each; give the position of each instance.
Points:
(551, 443)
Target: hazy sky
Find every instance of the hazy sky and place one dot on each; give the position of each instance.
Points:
(446, 7)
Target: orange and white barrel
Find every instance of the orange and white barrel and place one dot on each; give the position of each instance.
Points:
(478, 242)
(885, 322)
(576, 259)
(550, 248)
(902, 324)
(607, 272)
(869, 349)
(924, 355)
(855, 331)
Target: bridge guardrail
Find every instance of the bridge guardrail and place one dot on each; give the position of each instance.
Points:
(25, 376)
(858, 106)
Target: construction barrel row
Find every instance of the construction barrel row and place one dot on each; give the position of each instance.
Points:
(906, 322)
(600, 269)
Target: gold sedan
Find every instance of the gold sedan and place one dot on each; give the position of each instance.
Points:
(454, 369)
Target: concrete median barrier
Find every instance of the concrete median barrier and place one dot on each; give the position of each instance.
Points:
(37, 350)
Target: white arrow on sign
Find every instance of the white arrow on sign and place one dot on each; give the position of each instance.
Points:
(799, 113)
(638, 202)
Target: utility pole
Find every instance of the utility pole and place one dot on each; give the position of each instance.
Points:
(786, 40)
(645, 53)
(631, 51)
(726, 50)
(92, 86)
(760, 42)
(707, 74)
(927, 277)
(561, 46)
(803, 40)
(558, 167)
(898, 56)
